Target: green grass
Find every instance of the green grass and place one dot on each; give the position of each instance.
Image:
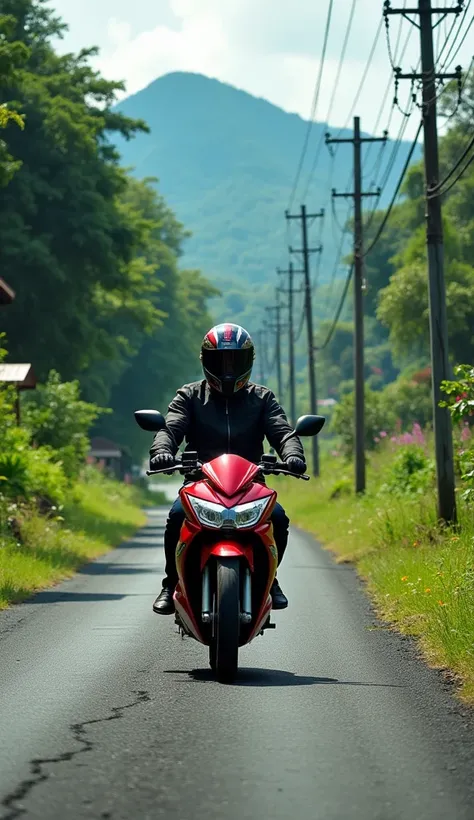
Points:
(98, 516)
(419, 574)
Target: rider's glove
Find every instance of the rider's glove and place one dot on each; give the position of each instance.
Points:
(296, 465)
(161, 460)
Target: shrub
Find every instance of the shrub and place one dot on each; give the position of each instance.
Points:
(410, 401)
(377, 417)
(411, 472)
(57, 418)
(460, 401)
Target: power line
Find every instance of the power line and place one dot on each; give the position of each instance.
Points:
(395, 194)
(434, 192)
(338, 310)
(388, 169)
(332, 99)
(363, 79)
(314, 106)
(453, 57)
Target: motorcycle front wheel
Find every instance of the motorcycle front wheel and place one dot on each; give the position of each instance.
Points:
(224, 649)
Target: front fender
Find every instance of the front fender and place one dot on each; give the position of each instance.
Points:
(227, 549)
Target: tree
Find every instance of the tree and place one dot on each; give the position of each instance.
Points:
(12, 56)
(67, 244)
(168, 356)
(403, 304)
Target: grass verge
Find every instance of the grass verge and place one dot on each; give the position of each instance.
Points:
(38, 552)
(419, 574)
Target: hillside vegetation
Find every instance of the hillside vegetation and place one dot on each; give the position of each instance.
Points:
(226, 163)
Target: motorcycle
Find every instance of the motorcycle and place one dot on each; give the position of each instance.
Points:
(226, 557)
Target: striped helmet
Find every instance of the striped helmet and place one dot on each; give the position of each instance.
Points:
(227, 355)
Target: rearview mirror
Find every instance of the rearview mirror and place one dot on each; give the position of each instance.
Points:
(150, 420)
(309, 425)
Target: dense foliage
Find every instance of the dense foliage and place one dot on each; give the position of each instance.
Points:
(396, 299)
(92, 254)
(460, 400)
(41, 459)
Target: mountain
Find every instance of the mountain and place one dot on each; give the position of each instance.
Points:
(226, 162)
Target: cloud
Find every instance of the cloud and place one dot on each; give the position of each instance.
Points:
(269, 48)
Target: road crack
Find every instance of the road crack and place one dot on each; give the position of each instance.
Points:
(39, 766)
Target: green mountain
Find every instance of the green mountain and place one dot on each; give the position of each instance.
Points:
(226, 162)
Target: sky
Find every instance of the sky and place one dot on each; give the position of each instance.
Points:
(270, 48)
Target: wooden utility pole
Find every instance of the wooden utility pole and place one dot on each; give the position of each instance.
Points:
(290, 291)
(261, 355)
(357, 194)
(440, 367)
(306, 251)
(276, 326)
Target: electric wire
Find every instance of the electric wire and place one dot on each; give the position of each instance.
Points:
(332, 99)
(363, 79)
(446, 61)
(314, 106)
(440, 189)
(453, 183)
(395, 193)
(338, 311)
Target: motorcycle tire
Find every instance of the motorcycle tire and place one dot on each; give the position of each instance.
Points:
(226, 651)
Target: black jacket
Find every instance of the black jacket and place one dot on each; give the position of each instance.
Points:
(213, 425)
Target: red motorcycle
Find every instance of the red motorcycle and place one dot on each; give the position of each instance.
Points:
(226, 556)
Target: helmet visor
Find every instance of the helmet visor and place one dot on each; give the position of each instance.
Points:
(228, 364)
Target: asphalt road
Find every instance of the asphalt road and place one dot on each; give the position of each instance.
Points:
(106, 713)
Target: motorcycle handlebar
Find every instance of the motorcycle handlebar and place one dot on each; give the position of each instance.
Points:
(276, 469)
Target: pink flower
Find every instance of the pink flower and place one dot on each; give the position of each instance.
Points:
(465, 433)
(383, 434)
(376, 439)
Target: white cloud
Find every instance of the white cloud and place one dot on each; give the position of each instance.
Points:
(269, 48)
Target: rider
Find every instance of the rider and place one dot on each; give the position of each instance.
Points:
(223, 413)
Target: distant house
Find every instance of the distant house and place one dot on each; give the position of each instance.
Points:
(21, 376)
(7, 295)
(108, 454)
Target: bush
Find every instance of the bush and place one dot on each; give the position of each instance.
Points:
(460, 401)
(409, 401)
(342, 487)
(378, 417)
(57, 418)
(411, 472)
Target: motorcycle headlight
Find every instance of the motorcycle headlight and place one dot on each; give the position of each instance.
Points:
(246, 515)
(209, 514)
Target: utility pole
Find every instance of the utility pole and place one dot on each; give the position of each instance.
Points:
(277, 327)
(357, 194)
(290, 291)
(440, 368)
(261, 355)
(306, 251)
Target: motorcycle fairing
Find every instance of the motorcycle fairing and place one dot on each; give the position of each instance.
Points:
(230, 473)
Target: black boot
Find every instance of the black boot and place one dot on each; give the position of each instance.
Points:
(279, 599)
(164, 604)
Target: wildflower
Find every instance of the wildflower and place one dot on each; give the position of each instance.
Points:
(455, 538)
(404, 577)
(441, 603)
(383, 434)
(416, 543)
(427, 590)
(376, 439)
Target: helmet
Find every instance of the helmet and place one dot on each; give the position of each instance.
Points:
(227, 355)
